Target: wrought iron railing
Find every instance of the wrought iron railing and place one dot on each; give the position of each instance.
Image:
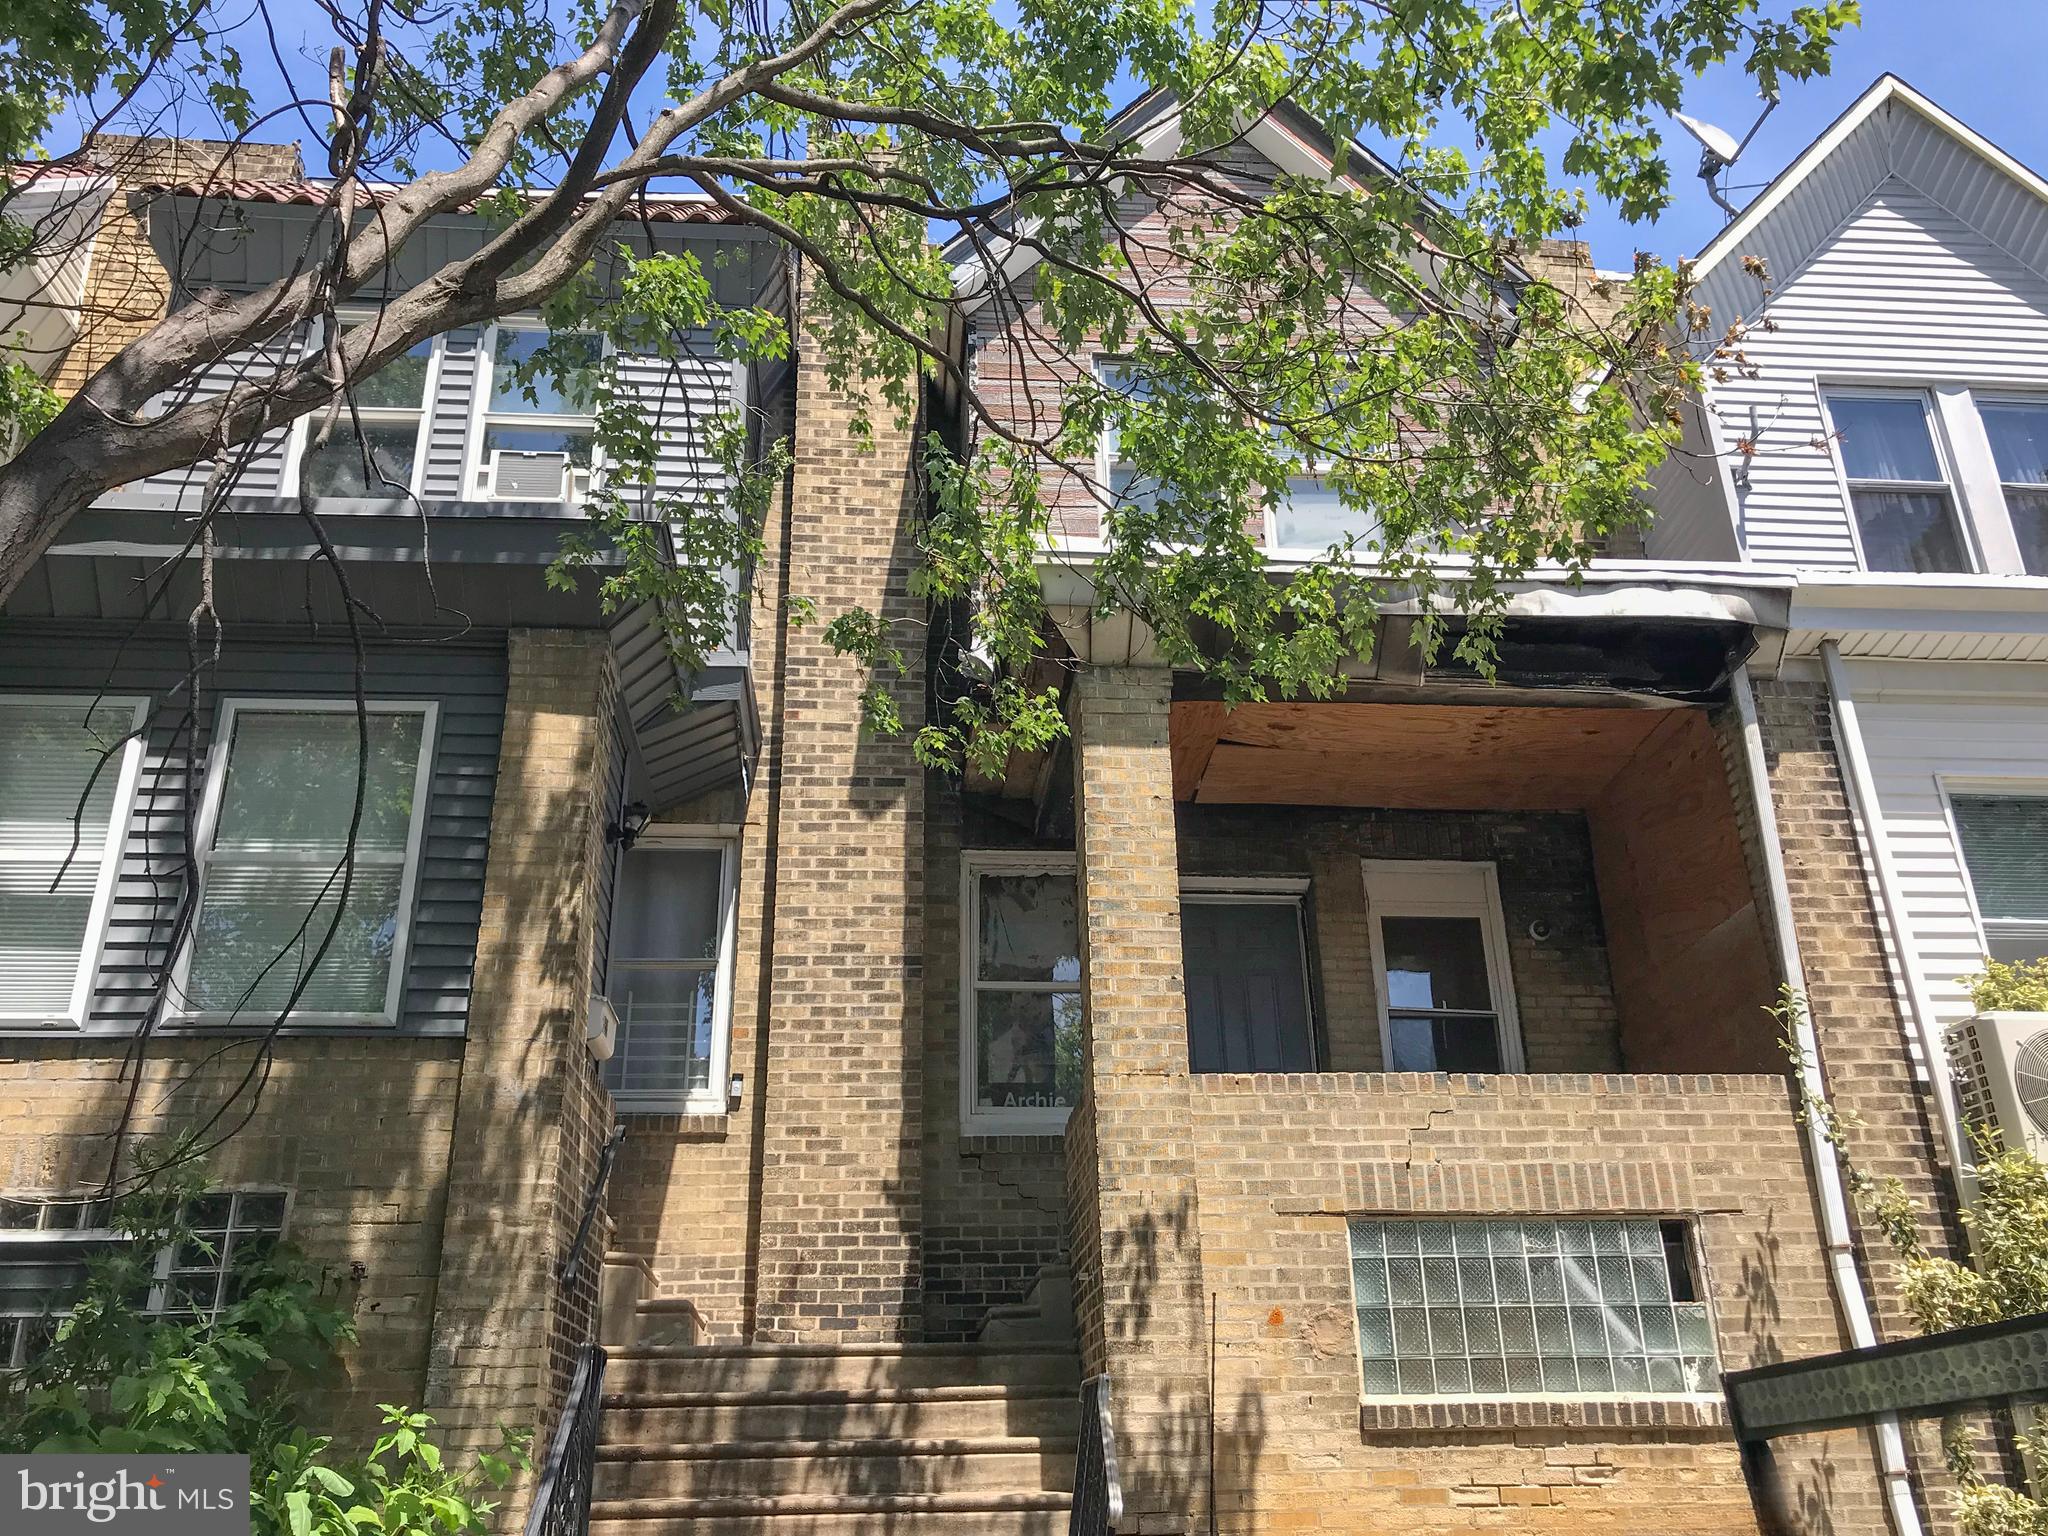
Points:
(561, 1504)
(572, 1261)
(1098, 1495)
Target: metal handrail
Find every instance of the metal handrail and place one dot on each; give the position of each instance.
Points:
(572, 1261)
(561, 1504)
(1098, 1492)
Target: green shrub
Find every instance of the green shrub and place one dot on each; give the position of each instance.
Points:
(2003, 988)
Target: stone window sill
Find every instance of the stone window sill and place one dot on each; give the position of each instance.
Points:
(697, 1125)
(1380, 1415)
(1049, 1141)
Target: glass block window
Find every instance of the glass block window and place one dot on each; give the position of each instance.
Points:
(46, 1245)
(1529, 1308)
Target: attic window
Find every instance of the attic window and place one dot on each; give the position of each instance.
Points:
(1904, 503)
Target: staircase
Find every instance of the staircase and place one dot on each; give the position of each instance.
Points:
(837, 1440)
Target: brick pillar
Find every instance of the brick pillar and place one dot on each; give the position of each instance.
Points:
(841, 1156)
(528, 1113)
(1132, 1208)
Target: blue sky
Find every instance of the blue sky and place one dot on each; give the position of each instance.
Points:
(1980, 59)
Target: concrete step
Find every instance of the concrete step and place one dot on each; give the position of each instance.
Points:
(920, 1514)
(667, 1321)
(969, 1522)
(1000, 1464)
(956, 1412)
(815, 1368)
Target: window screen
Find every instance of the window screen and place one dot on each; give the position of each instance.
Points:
(1452, 1308)
(50, 751)
(2005, 849)
(1026, 949)
(270, 876)
(1246, 985)
(663, 977)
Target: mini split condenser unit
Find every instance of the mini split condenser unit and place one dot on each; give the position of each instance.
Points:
(2001, 1066)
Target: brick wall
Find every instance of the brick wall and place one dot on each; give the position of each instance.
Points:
(126, 287)
(1283, 1162)
(365, 1166)
(841, 1144)
(529, 1113)
(1563, 992)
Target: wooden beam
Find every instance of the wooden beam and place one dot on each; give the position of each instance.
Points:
(1195, 726)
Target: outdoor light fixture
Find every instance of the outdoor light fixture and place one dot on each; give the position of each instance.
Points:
(631, 823)
(732, 1089)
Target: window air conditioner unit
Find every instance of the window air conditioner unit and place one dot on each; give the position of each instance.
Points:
(602, 1032)
(2001, 1067)
(515, 476)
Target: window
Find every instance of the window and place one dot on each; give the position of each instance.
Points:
(390, 409)
(2019, 447)
(45, 1246)
(536, 439)
(1905, 509)
(2004, 842)
(1021, 1068)
(669, 976)
(1311, 515)
(54, 899)
(281, 791)
(1440, 958)
(1529, 1308)
(1117, 473)
(1246, 961)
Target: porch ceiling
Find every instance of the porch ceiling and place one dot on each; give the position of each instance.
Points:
(1439, 757)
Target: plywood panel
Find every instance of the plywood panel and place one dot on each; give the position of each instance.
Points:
(1405, 756)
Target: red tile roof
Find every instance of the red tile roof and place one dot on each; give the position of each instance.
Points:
(660, 208)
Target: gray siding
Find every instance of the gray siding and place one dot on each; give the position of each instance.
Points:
(263, 473)
(468, 683)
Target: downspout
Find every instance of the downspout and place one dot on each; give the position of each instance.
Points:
(1868, 817)
(1834, 1200)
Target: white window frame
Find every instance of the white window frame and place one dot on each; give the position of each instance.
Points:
(663, 837)
(1444, 888)
(475, 464)
(209, 819)
(1948, 786)
(301, 439)
(1277, 891)
(100, 916)
(1993, 485)
(975, 1120)
(1961, 509)
(1106, 457)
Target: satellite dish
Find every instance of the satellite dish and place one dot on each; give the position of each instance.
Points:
(1719, 149)
(1718, 142)
(2030, 1078)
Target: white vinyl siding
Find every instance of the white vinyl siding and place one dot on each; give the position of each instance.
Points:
(274, 839)
(67, 780)
(1904, 294)
(1930, 737)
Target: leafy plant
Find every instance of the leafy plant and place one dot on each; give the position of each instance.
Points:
(2010, 988)
(2008, 1222)
(119, 1377)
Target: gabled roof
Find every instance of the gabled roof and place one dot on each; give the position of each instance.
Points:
(1891, 130)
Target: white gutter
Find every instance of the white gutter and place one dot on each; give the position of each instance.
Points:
(1924, 1040)
(1834, 1201)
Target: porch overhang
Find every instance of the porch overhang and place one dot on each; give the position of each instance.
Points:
(1898, 616)
(692, 732)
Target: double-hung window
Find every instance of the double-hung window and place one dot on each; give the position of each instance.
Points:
(273, 837)
(1021, 990)
(536, 439)
(1439, 949)
(374, 449)
(670, 976)
(2004, 843)
(1899, 487)
(2018, 430)
(68, 770)
(1119, 475)
(1244, 953)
